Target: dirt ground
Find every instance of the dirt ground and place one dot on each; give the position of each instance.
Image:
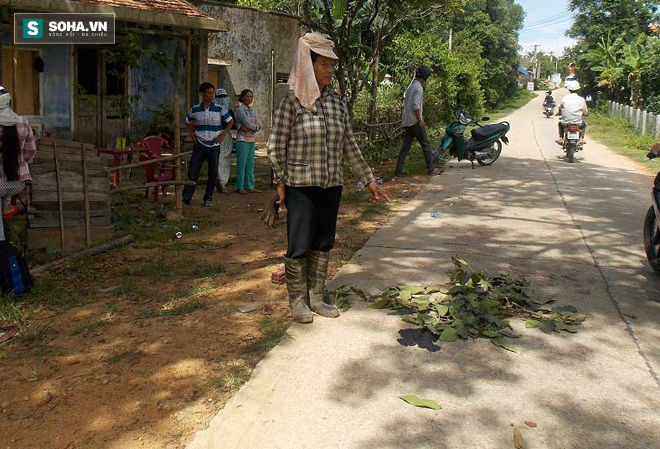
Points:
(139, 347)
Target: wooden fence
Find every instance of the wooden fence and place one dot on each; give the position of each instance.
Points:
(643, 121)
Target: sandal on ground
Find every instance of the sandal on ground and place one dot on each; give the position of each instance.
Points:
(241, 192)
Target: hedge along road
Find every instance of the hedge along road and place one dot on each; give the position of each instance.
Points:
(573, 230)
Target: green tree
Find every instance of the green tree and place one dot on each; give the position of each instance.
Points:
(362, 29)
(489, 28)
(621, 64)
(595, 19)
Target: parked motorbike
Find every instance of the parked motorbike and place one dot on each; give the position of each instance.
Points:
(652, 219)
(571, 141)
(549, 109)
(484, 146)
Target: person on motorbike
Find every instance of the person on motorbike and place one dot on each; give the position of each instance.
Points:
(549, 100)
(572, 108)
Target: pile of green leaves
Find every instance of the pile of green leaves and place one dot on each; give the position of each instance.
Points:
(478, 306)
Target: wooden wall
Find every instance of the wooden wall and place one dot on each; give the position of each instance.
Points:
(69, 204)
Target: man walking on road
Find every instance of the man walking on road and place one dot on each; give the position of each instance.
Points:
(413, 123)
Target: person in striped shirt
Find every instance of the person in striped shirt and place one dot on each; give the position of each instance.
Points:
(205, 126)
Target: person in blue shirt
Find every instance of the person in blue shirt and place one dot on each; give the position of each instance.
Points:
(204, 122)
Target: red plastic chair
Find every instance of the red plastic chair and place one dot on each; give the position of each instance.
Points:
(6, 216)
(151, 147)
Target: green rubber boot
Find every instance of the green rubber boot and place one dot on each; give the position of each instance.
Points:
(296, 287)
(317, 271)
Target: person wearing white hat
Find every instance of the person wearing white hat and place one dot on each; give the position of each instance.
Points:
(311, 138)
(224, 161)
(572, 108)
(17, 147)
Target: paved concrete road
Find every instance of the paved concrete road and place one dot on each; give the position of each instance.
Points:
(574, 230)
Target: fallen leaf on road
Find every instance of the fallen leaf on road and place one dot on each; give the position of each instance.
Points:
(418, 402)
(530, 423)
(518, 439)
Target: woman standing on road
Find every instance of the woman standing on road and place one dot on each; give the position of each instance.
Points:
(248, 125)
(310, 138)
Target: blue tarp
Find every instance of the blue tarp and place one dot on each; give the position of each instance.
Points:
(523, 70)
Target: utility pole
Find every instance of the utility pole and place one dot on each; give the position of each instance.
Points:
(536, 62)
(451, 33)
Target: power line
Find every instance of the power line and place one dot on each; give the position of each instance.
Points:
(547, 24)
(561, 15)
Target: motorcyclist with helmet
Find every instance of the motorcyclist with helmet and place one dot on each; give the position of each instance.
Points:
(572, 108)
(549, 100)
(413, 122)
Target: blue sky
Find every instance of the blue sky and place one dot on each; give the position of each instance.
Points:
(545, 24)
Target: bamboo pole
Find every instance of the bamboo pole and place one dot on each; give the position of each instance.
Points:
(178, 199)
(188, 70)
(88, 224)
(152, 184)
(84, 253)
(60, 204)
(149, 162)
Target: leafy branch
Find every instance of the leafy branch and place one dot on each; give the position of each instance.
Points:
(477, 305)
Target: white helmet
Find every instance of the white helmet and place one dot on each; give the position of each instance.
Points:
(5, 98)
(572, 85)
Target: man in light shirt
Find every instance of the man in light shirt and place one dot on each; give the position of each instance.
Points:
(572, 108)
(413, 123)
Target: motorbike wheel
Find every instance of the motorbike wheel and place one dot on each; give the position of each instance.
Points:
(570, 153)
(652, 240)
(493, 154)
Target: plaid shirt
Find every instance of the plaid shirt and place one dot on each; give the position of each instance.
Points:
(28, 150)
(307, 148)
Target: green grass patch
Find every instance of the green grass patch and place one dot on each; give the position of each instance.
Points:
(199, 288)
(231, 376)
(372, 210)
(10, 312)
(34, 334)
(158, 269)
(512, 104)
(272, 332)
(53, 293)
(90, 325)
(170, 309)
(354, 196)
(205, 269)
(617, 134)
(131, 357)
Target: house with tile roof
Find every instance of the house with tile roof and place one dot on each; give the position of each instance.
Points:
(97, 92)
(256, 53)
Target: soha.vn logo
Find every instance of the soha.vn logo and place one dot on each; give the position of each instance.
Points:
(33, 28)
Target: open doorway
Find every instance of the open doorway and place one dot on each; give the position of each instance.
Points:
(99, 95)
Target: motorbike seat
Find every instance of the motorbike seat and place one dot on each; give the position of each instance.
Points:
(485, 132)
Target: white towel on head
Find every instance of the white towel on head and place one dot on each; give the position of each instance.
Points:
(8, 117)
(302, 79)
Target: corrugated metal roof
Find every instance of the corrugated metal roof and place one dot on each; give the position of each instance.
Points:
(170, 6)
